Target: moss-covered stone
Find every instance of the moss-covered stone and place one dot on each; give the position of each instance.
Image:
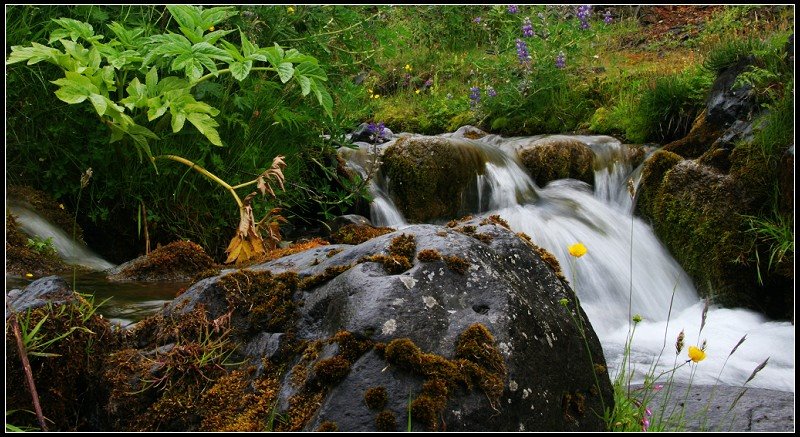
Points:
(429, 176)
(429, 255)
(376, 398)
(357, 234)
(175, 261)
(697, 141)
(553, 158)
(457, 264)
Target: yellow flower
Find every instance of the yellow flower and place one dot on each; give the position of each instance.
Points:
(375, 96)
(61, 205)
(28, 275)
(696, 354)
(290, 10)
(408, 67)
(577, 250)
(211, 29)
(417, 91)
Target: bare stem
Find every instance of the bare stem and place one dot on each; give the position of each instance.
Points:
(26, 366)
(207, 174)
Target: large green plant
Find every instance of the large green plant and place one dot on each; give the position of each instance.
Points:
(138, 83)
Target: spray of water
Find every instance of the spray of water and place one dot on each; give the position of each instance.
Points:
(625, 263)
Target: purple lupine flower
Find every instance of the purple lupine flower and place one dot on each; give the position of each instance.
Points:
(474, 96)
(584, 11)
(607, 17)
(428, 83)
(561, 60)
(477, 20)
(376, 130)
(491, 92)
(522, 51)
(512, 9)
(527, 27)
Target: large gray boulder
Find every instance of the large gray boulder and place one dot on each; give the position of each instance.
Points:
(466, 323)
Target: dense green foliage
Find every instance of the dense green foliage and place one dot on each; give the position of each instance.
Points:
(424, 69)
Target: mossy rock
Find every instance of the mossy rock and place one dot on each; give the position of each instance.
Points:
(179, 260)
(699, 214)
(430, 176)
(556, 157)
(698, 141)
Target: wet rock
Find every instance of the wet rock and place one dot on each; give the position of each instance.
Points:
(758, 410)
(556, 157)
(179, 260)
(52, 289)
(786, 181)
(727, 104)
(348, 219)
(356, 310)
(429, 177)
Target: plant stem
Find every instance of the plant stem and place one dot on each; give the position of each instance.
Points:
(205, 173)
(26, 367)
(74, 229)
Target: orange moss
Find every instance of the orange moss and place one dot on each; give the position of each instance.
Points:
(331, 370)
(429, 255)
(328, 426)
(393, 264)
(357, 234)
(376, 398)
(403, 245)
(293, 249)
(457, 264)
(495, 219)
(385, 421)
(483, 238)
(310, 282)
(176, 259)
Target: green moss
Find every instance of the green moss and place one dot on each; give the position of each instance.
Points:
(457, 264)
(328, 426)
(376, 397)
(429, 255)
(385, 421)
(653, 173)
(428, 176)
(357, 234)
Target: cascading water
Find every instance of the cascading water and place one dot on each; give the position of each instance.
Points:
(626, 271)
(68, 250)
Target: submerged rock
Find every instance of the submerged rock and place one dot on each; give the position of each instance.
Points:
(179, 260)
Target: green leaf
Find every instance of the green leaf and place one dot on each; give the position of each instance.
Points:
(248, 48)
(193, 36)
(99, 103)
(213, 37)
(305, 84)
(272, 54)
(186, 15)
(75, 88)
(137, 95)
(323, 97)
(206, 125)
(311, 70)
(285, 71)
(240, 70)
(211, 51)
(157, 108)
(129, 38)
(177, 121)
(143, 131)
(34, 54)
(233, 51)
(213, 16)
(73, 29)
(151, 82)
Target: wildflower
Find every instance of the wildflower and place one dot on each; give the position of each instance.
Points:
(491, 92)
(607, 17)
(474, 96)
(522, 51)
(564, 301)
(477, 20)
(584, 11)
(449, 96)
(577, 250)
(658, 387)
(61, 205)
(28, 275)
(527, 27)
(637, 318)
(561, 60)
(417, 91)
(696, 354)
(290, 10)
(211, 29)
(407, 67)
(512, 9)
(645, 423)
(377, 130)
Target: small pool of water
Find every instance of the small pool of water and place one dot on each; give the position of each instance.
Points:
(128, 302)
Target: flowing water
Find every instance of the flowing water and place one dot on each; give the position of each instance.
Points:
(627, 271)
(625, 265)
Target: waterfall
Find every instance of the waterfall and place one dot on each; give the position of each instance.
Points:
(68, 250)
(625, 264)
